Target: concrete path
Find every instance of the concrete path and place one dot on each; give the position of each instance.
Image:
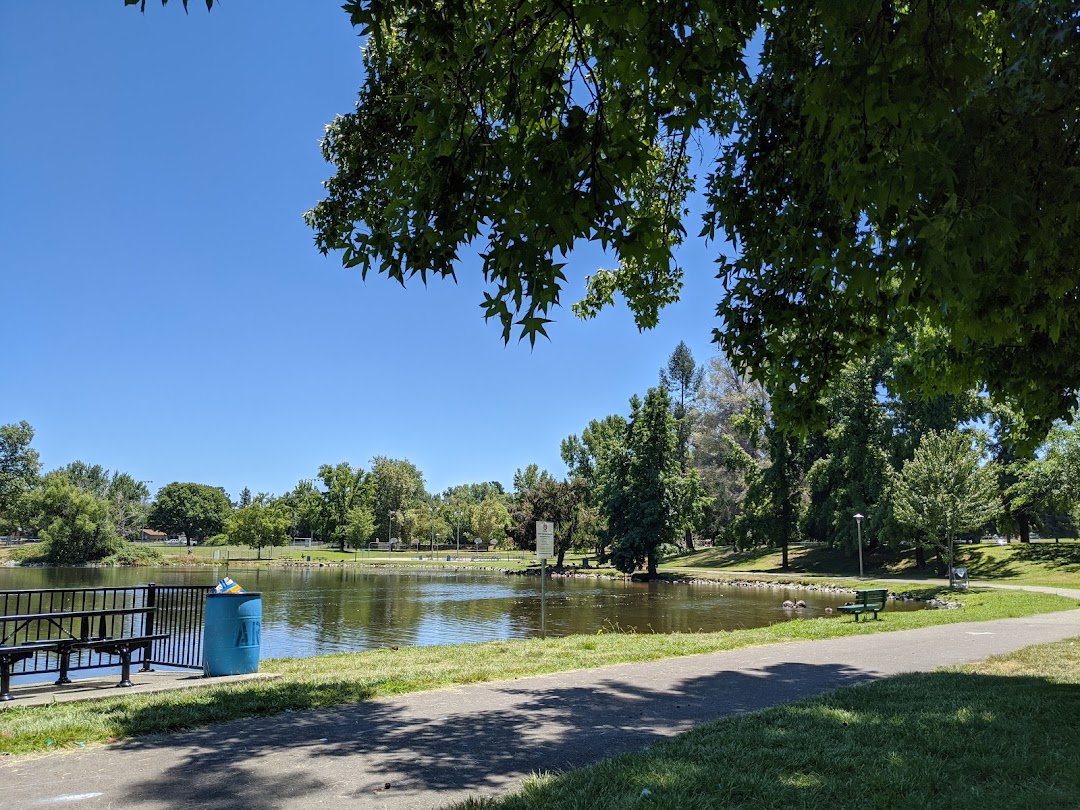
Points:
(427, 749)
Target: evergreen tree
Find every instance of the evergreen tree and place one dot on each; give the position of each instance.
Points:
(852, 474)
(642, 509)
(683, 377)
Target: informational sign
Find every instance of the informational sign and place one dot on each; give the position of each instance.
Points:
(545, 539)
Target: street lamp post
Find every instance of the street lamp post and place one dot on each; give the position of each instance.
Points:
(858, 527)
(457, 519)
(437, 536)
(390, 530)
(432, 531)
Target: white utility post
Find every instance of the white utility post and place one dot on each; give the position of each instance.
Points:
(545, 547)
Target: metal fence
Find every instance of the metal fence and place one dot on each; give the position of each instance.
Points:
(179, 612)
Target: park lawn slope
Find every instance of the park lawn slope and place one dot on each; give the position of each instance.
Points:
(348, 678)
(1047, 563)
(999, 733)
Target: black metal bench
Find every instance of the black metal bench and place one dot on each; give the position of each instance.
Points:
(105, 631)
(871, 600)
(12, 654)
(122, 647)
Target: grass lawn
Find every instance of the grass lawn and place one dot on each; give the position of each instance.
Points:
(1000, 734)
(244, 557)
(340, 679)
(1042, 562)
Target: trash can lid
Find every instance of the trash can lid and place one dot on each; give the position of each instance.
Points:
(235, 593)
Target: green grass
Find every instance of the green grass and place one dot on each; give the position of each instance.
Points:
(1044, 562)
(341, 679)
(1001, 734)
(243, 557)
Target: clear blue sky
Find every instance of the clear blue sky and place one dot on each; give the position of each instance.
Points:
(165, 311)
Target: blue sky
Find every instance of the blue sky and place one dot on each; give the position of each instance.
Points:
(167, 314)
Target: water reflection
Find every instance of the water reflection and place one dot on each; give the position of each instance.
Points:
(316, 611)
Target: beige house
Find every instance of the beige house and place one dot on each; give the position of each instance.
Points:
(152, 536)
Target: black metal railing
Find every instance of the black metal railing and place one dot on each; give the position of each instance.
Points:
(178, 612)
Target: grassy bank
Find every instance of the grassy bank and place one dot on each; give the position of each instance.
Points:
(297, 555)
(340, 679)
(1000, 733)
(1043, 562)
(241, 557)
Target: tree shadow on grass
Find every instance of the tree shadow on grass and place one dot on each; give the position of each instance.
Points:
(1063, 556)
(449, 742)
(926, 740)
(983, 567)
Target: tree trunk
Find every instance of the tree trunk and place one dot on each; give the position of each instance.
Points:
(559, 559)
(652, 563)
(784, 550)
(688, 538)
(1023, 526)
(920, 557)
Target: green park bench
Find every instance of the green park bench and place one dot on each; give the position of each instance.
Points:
(871, 600)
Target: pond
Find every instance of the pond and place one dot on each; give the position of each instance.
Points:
(315, 611)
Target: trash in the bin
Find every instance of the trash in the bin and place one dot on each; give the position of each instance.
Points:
(226, 585)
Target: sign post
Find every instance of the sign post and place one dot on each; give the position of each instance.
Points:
(545, 547)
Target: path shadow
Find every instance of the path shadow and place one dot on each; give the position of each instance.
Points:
(443, 742)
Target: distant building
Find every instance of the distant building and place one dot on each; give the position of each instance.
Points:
(152, 536)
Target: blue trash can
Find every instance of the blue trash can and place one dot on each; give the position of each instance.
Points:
(231, 633)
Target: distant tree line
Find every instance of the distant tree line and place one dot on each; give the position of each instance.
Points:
(699, 457)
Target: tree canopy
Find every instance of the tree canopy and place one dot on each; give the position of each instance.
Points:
(19, 469)
(263, 521)
(195, 510)
(877, 165)
(945, 491)
(76, 522)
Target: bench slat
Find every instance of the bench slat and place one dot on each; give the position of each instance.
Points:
(123, 647)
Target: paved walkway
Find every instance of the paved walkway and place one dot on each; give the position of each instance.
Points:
(428, 749)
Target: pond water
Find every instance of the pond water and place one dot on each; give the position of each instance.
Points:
(316, 611)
